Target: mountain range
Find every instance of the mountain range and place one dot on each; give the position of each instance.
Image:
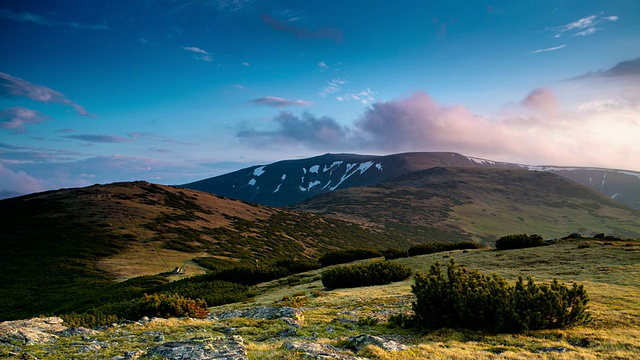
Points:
(288, 182)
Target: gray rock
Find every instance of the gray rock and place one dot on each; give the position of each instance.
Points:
(313, 350)
(344, 321)
(267, 313)
(220, 348)
(363, 340)
(76, 331)
(552, 349)
(289, 332)
(31, 331)
(89, 348)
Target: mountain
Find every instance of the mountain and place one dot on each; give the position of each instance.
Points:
(288, 182)
(481, 204)
(63, 248)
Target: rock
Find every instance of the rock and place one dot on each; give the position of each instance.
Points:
(318, 351)
(360, 341)
(290, 322)
(76, 331)
(289, 332)
(344, 321)
(89, 348)
(31, 331)
(159, 338)
(555, 349)
(266, 313)
(220, 348)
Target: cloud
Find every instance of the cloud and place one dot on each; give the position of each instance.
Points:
(278, 102)
(322, 132)
(18, 183)
(322, 66)
(541, 100)
(233, 5)
(199, 54)
(364, 96)
(245, 63)
(11, 86)
(99, 138)
(548, 49)
(16, 118)
(25, 16)
(582, 27)
(332, 86)
(302, 33)
(628, 68)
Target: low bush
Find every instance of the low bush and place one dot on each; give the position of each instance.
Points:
(434, 247)
(375, 273)
(297, 266)
(345, 256)
(468, 299)
(519, 241)
(249, 275)
(393, 253)
(165, 305)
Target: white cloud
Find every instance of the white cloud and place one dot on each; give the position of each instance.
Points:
(16, 118)
(582, 27)
(548, 49)
(363, 96)
(332, 86)
(199, 53)
(322, 66)
(275, 101)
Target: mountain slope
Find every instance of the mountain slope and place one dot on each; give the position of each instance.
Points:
(475, 203)
(287, 182)
(64, 247)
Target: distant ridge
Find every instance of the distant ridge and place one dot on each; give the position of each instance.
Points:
(287, 182)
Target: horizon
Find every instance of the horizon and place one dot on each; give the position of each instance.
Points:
(172, 92)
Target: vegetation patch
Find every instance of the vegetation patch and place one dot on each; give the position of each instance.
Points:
(468, 299)
(435, 247)
(345, 256)
(375, 273)
(519, 241)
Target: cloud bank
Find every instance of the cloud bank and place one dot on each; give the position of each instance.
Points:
(274, 101)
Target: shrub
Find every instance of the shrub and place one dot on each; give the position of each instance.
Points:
(519, 241)
(165, 305)
(468, 299)
(249, 275)
(345, 256)
(297, 266)
(375, 273)
(392, 253)
(434, 247)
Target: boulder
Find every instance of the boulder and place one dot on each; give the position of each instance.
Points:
(31, 331)
(313, 350)
(267, 313)
(219, 348)
(360, 341)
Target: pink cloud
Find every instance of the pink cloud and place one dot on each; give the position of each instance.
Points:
(18, 183)
(541, 100)
(16, 118)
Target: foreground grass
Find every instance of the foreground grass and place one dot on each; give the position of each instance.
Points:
(610, 272)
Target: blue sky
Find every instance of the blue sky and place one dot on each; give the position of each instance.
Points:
(176, 91)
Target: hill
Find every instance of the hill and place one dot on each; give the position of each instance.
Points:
(288, 182)
(477, 204)
(305, 320)
(63, 249)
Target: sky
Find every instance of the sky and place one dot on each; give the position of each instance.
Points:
(168, 91)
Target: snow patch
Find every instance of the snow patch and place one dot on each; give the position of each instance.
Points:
(312, 184)
(304, 170)
(328, 183)
(302, 188)
(480, 161)
(630, 173)
(614, 195)
(590, 180)
(362, 168)
(252, 182)
(278, 188)
(284, 176)
(379, 166)
(258, 171)
(604, 177)
(334, 164)
(314, 169)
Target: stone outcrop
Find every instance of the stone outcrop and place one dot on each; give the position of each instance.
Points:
(31, 331)
(219, 348)
(360, 341)
(314, 350)
(262, 312)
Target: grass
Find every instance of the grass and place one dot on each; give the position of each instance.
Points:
(609, 270)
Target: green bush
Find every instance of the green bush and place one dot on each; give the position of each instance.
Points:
(468, 299)
(249, 275)
(374, 273)
(393, 253)
(435, 247)
(164, 305)
(519, 241)
(345, 256)
(297, 266)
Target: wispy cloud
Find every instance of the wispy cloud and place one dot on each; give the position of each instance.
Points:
(199, 53)
(233, 5)
(99, 138)
(302, 33)
(26, 16)
(363, 96)
(16, 118)
(278, 102)
(11, 86)
(245, 63)
(332, 86)
(582, 27)
(322, 66)
(548, 49)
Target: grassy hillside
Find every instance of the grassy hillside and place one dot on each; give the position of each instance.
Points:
(610, 271)
(440, 204)
(62, 250)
